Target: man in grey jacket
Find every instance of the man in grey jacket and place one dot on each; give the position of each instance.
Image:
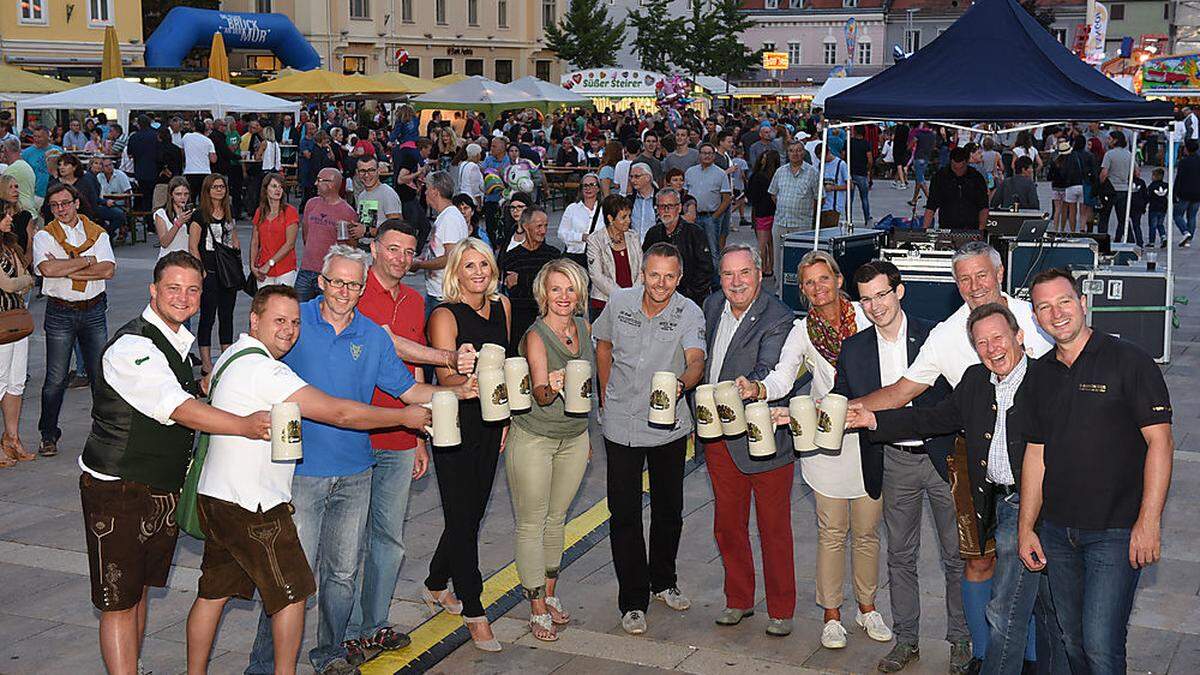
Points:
(746, 329)
(1019, 189)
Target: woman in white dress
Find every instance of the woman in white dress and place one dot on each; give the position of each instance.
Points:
(842, 504)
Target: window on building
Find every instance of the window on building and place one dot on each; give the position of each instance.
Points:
(406, 11)
(504, 71)
(354, 65)
(32, 11)
(442, 67)
(100, 12)
(549, 13)
(794, 53)
(864, 53)
(502, 13)
(542, 69)
(360, 9)
(1166, 11)
(263, 62)
(439, 12)
(912, 39)
(830, 53)
(411, 67)
(472, 12)
(768, 46)
(1060, 34)
(771, 4)
(849, 3)
(262, 6)
(1116, 12)
(473, 67)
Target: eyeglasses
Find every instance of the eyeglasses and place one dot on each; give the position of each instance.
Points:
(590, 185)
(373, 169)
(217, 186)
(55, 206)
(669, 205)
(878, 297)
(517, 207)
(341, 283)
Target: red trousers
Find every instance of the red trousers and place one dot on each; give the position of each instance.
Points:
(772, 492)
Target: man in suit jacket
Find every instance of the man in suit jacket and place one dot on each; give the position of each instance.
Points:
(909, 470)
(745, 329)
(994, 404)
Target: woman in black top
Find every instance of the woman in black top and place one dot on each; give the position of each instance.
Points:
(211, 224)
(762, 206)
(473, 312)
(22, 220)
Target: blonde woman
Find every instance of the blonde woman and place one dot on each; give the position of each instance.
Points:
(472, 312)
(547, 448)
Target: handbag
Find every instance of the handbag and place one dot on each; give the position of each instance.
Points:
(15, 324)
(187, 515)
(230, 273)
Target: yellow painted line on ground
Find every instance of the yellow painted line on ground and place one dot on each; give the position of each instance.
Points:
(426, 636)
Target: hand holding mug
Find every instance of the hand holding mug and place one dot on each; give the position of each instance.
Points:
(556, 378)
(858, 417)
(468, 388)
(465, 359)
(746, 389)
(780, 416)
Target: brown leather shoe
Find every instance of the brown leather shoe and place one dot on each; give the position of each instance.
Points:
(48, 448)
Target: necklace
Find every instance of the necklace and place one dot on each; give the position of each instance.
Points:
(564, 334)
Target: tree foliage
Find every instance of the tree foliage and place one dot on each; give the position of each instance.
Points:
(1043, 15)
(658, 35)
(705, 41)
(586, 37)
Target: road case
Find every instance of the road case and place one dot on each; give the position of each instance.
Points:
(850, 248)
(930, 291)
(1027, 258)
(1132, 303)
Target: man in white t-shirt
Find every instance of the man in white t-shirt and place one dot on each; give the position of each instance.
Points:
(449, 228)
(376, 201)
(199, 154)
(948, 352)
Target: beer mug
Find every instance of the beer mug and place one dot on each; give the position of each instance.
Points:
(760, 431)
(489, 356)
(662, 399)
(831, 424)
(577, 387)
(285, 432)
(708, 425)
(730, 410)
(493, 395)
(343, 230)
(803, 423)
(516, 378)
(445, 431)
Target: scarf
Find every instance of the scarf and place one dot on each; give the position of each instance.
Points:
(827, 337)
(92, 233)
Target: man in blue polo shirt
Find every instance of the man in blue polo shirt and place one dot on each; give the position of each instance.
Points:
(344, 354)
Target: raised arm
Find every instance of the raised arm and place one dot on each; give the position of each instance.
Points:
(318, 406)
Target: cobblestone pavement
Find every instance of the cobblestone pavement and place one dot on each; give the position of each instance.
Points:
(47, 624)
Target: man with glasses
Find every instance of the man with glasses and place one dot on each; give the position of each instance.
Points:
(74, 257)
(794, 187)
(688, 239)
(376, 201)
(710, 186)
(319, 229)
(641, 194)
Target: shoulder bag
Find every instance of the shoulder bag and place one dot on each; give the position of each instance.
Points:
(186, 514)
(230, 273)
(17, 323)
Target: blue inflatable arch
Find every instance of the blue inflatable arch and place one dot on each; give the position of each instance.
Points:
(187, 27)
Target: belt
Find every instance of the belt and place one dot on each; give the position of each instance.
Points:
(910, 449)
(1003, 490)
(77, 305)
(705, 213)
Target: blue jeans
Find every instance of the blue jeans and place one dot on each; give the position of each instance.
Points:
(862, 184)
(713, 230)
(1186, 211)
(919, 168)
(306, 285)
(383, 547)
(331, 513)
(1155, 225)
(63, 327)
(1093, 585)
(1018, 594)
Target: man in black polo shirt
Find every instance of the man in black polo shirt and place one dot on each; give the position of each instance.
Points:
(958, 194)
(520, 265)
(1096, 470)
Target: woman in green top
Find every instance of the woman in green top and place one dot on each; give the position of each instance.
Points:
(548, 449)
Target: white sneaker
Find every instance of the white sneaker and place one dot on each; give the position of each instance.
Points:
(833, 636)
(872, 623)
(634, 622)
(674, 599)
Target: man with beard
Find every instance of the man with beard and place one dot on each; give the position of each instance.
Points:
(688, 239)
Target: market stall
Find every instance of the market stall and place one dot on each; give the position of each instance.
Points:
(118, 95)
(624, 88)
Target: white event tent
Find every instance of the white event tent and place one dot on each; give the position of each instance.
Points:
(833, 86)
(116, 93)
(222, 98)
(550, 93)
(476, 93)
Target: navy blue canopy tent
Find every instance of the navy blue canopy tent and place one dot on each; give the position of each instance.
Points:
(995, 64)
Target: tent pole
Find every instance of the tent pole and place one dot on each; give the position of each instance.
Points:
(1170, 224)
(820, 189)
(1128, 197)
(849, 185)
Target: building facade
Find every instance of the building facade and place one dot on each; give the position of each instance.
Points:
(62, 33)
(1146, 21)
(500, 39)
(912, 24)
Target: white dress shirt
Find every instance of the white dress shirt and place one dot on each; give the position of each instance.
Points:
(726, 327)
(836, 477)
(948, 350)
(141, 375)
(239, 469)
(576, 224)
(893, 361)
(44, 246)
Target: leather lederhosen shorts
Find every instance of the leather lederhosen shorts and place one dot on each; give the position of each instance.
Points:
(969, 546)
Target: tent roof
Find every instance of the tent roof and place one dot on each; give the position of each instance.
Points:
(17, 81)
(115, 93)
(834, 86)
(317, 83)
(222, 97)
(550, 93)
(476, 93)
(401, 83)
(1029, 77)
(715, 85)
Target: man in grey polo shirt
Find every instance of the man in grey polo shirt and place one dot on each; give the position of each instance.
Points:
(644, 329)
(710, 186)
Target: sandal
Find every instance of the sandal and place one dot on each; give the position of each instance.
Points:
(492, 645)
(542, 627)
(560, 616)
(13, 448)
(441, 601)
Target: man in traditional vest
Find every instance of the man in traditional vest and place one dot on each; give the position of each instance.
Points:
(144, 414)
(74, 257)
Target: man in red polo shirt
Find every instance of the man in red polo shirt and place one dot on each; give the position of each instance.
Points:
(400, 456)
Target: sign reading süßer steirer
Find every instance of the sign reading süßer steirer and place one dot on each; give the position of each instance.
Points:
(612, 82)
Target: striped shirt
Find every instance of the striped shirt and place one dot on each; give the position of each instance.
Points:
(999, 469)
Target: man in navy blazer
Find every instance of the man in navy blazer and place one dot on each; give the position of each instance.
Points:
(746, 329)
(907, 472)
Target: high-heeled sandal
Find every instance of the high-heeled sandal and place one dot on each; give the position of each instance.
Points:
(542, 627)
(13, 448)
(441, 601)
(492, 645)
(559, 615)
